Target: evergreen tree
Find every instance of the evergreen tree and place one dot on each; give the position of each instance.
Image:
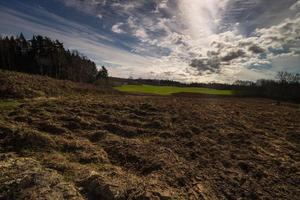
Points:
(102, 73)
(41, 55)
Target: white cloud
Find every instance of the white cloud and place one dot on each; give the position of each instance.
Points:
(296, 6)
(163, 4)
(201, 17)
(117, 28)
(100, 16)
(141, 33)
(138, 30)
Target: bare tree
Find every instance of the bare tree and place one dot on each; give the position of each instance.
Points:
(286, 77)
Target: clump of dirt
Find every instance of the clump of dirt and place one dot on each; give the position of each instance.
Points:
(25, 178)
(23, 139)
(50, 127)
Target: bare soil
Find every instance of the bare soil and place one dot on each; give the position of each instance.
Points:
(90, 145)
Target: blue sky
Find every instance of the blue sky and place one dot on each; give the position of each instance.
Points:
(185, 40)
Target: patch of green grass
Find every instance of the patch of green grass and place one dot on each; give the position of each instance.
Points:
(9, 104)
(168, 90)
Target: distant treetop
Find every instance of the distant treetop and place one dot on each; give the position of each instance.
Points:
(102, 73)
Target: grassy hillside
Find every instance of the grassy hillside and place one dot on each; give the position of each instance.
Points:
(168, 90)
(80, 142)
(21, 85)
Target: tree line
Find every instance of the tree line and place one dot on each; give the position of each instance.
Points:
(285, 86)
(43, 56)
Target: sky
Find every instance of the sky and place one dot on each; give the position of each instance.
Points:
(183, 40)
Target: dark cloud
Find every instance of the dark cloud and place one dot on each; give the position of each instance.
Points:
(206, 65)
(233, 55)
(212, 53)
(212, 64)
(256, 49)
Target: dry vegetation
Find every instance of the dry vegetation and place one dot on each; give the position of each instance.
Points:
(94, 146)
(20, 85)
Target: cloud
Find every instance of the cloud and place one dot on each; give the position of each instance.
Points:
(256, 49)
(233, 55)
(117, 28)
(296, 6)
(100, 16)
(206, 65)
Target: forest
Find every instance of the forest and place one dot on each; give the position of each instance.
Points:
(43, 56)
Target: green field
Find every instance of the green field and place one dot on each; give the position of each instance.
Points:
(168, 90)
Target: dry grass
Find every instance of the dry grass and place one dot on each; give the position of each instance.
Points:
(146, 147)
(20, 85)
